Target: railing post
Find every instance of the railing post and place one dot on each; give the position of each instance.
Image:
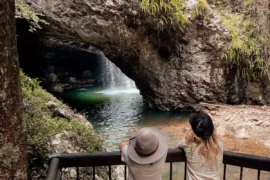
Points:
(94, 173)
(77, 173)
(224, 172)
(185, 175)
(125, 176)
(241, 173)
(170, 170)
(53, 171)
(110, 172)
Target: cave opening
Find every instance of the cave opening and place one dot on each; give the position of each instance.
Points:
(64, 68)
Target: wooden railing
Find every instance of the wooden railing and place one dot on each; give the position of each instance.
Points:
(59, 161)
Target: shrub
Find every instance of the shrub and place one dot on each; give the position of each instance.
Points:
(42, 126)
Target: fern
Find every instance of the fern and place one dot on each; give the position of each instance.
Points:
(249, 49)
(167, 13)
(23, 11)
(170, 13)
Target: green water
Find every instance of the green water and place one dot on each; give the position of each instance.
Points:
(115, 114)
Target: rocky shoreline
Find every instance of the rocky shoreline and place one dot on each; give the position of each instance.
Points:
(243, 128)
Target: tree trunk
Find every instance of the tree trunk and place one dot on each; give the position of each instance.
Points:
(13, 152)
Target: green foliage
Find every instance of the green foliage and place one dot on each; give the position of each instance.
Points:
(249, 49)
(248, 2)
(42, 126)
(23, 11)
(168, 12)
(80, 136)
(202, 8)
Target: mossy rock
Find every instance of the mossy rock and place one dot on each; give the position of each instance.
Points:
(43, 126)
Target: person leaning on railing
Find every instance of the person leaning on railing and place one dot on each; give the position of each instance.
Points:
(203, 149)
(145, 154)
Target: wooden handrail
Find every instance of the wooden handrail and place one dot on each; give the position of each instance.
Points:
(174, 155)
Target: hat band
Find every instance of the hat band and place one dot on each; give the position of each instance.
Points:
(146, 154)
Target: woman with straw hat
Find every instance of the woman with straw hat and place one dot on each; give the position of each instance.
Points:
(145, 154)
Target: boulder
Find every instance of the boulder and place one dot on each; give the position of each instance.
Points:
(65, 112)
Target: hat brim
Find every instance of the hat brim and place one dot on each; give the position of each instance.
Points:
(158, 154)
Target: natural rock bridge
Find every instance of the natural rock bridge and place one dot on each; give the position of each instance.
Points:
(173, 69)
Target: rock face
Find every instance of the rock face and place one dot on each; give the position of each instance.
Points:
(172, 69)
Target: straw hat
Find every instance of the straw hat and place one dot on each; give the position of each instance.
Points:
(147, 146)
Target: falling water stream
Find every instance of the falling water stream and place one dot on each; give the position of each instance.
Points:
(113, 78)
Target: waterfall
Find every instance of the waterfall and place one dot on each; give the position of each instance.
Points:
(112, 76)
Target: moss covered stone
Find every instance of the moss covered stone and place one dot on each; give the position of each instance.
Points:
(44, 126)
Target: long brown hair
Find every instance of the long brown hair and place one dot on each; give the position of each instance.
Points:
(203, 136)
